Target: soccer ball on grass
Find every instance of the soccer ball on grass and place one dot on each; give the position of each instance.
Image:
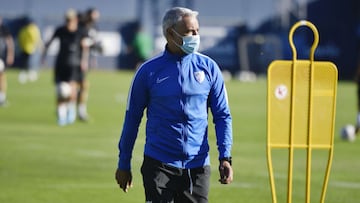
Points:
(64, 90)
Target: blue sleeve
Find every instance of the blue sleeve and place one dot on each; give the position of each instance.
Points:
(137, 102)
(220, 110)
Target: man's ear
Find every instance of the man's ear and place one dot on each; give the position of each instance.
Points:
(169, 32)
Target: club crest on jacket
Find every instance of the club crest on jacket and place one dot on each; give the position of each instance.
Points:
(199, 76)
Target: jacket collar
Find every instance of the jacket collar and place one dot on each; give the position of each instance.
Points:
(175, 57)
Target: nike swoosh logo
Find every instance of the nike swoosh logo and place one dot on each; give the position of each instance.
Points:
(160, 80)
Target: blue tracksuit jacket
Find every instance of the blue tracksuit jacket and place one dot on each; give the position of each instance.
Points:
(177, 92)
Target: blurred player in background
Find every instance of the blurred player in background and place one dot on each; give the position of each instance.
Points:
(357, 80)
(7, 52)
(71, 63)
(30, 42)
(142, 45)
(138, 43)
(87, 25)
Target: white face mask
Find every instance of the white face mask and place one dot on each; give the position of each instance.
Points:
(190, 43)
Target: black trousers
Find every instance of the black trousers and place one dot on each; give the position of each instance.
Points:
(164, 183)
(25, 61)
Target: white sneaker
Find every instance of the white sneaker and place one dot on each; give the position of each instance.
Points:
(33, 76)
(71, 115)
(23, 77)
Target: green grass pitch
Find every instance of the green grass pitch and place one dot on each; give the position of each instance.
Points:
(42, 162)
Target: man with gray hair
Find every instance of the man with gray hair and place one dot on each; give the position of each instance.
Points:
(177, 88)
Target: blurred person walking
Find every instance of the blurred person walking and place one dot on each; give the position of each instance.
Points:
(357, 80)
(70, 65)
(7, 52)
(177, 88)
(139, 45)
(142, 45)
(30, 42)
(87, 25)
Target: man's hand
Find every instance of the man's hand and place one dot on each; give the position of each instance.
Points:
(226, 172)
(124, 179)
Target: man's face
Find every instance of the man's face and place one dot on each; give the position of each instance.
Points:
(95, 15)
(187, 27)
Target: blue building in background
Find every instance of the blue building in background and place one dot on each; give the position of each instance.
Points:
(241, 35)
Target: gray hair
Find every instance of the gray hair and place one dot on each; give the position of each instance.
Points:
(175, 15)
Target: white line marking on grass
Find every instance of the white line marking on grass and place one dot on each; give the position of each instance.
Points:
(351, 185)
